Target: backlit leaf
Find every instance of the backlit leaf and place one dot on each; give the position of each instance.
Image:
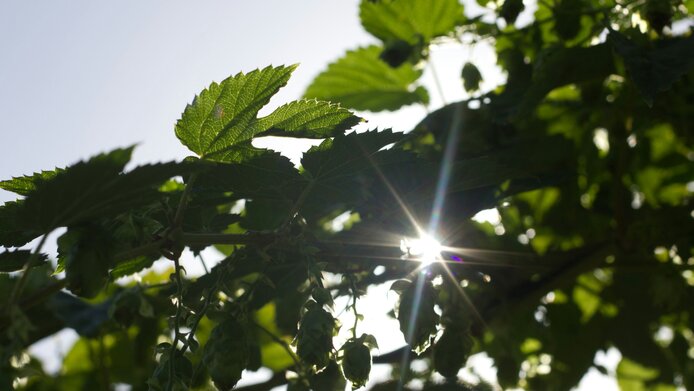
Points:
(361, 81)
(410, 20)
(25, 184)
(307, 118)
(220, 117)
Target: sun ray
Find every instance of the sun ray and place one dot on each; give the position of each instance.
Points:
(393, 192)
(490, 257)
(464, 295)
(445, 171)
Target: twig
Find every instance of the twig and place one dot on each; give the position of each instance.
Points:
(177, 317)
(354, 305)
(204, 265)
(280, 342)
(437, 82)
(17, 291)
(183, 203)
(177, 223)
(300, 201)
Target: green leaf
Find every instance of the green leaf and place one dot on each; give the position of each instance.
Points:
(329, 379)
(416, 314)
(410, 20)
(356, 362)
(632, 376)
(265, 214)
(83, 192)
(226, 353)
(221, 121)
(26, 184)
(397, 52)
(86, 254)
(361, 81)
(85, 318)
(267, 175)
(558, 67)
(567, 14)
(345, 154)
(654, 69)
(314, 338)
(273, 354)
(11, 261)
(341, 170)
(510, 10)
(307, 118)
(221, 117)
(13, 230)
(451, 351)
(471, 77)
(130, 266)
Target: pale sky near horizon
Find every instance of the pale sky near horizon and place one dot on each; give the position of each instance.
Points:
(82, 77)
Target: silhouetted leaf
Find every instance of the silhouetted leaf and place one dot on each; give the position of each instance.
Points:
(86, 253)
(654, 69)
(471, 77)
(510, 10)
(11, 261)
(88, 190)
(315, 335)
(561, 66)
(226, 353)
(85, 318)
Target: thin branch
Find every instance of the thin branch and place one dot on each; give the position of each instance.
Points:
(437, 82)
(204, 265)
(183, 203)
(205, 239)
(300, 201)
(195, 239)
(177, 223)
(177, 317)
(145, 249)
(280, 342)
(17, 291)
(354, 305)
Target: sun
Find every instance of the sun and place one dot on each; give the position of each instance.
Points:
(425, 249)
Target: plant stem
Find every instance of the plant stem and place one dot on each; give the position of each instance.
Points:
(195, 239)
(354, 305)
(300, 201)
(17, 291)
(183, 203)
(135, 252)
(437, 82)
(177, 222)
(177, 317)
(281, 342)
(204, 264)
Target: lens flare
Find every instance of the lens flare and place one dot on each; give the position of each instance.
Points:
(425, 249)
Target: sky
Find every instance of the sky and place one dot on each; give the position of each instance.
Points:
(80, 77)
